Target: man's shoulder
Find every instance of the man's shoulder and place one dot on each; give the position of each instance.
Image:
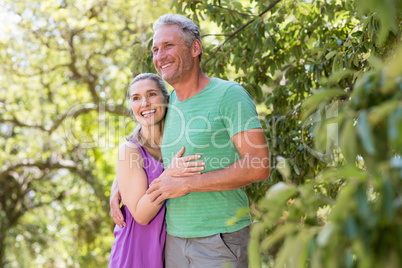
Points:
(230, 89)
(224, 87)
(224, 83)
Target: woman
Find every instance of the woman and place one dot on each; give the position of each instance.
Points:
(141, 242)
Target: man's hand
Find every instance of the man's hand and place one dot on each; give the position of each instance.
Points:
(115, 198)
(167, 187)
(172, 182)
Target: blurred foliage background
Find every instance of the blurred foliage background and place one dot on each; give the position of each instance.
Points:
(327, 80)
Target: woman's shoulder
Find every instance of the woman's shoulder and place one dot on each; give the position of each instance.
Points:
(130, 151)
(129, 145)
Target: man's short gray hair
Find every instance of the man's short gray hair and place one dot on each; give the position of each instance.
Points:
(188, 29)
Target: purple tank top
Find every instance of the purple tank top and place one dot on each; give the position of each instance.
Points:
(135, 245)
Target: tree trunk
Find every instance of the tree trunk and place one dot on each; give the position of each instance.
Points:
(2, 247)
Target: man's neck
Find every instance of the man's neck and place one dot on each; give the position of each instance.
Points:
(191, 85)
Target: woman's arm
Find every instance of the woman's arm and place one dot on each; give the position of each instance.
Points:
(133, 183)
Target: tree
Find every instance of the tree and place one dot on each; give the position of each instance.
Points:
(326, 78)
(63, 84)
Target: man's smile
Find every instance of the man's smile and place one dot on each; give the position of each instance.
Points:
(166, 65)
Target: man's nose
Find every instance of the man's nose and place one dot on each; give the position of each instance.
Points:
(159, 55)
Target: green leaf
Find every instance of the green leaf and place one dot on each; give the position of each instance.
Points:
(348, 141)
(381, 112)
(254, 253)
(278, 235)
(375, 61)
(349, 172)
(324, 236)
(281, 192)
(364, 133)
(350, 227)
(356, 60)
(283, 168)
(330, 54)
(395, 125)
(241, 212)
(338, 75)
(311, 104)
(237, 5)
(336, 62)
(388, 196)
(362, 202)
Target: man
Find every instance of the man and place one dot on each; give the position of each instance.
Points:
(216, 119)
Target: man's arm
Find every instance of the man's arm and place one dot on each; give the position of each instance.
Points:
(115, 198)
(254, 165)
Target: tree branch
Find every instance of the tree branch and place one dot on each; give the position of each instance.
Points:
(18, 123)
(68, 164)
(232, 35)
(84, 109)
(40, 72)
(73, 68)
(232, 10)
(204, 35)
(59, 164)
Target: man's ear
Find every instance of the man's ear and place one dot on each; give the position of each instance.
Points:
(196, 48)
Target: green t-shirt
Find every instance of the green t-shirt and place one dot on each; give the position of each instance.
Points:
(204, 124)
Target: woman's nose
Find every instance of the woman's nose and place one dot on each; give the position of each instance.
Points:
(144, 102)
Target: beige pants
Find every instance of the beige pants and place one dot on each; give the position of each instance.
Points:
(220, 250)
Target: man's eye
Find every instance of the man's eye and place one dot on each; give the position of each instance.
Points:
(155, 51)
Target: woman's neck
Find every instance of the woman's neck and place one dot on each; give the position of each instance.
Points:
(153, 135)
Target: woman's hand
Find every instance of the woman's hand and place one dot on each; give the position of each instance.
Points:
(184, 166)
